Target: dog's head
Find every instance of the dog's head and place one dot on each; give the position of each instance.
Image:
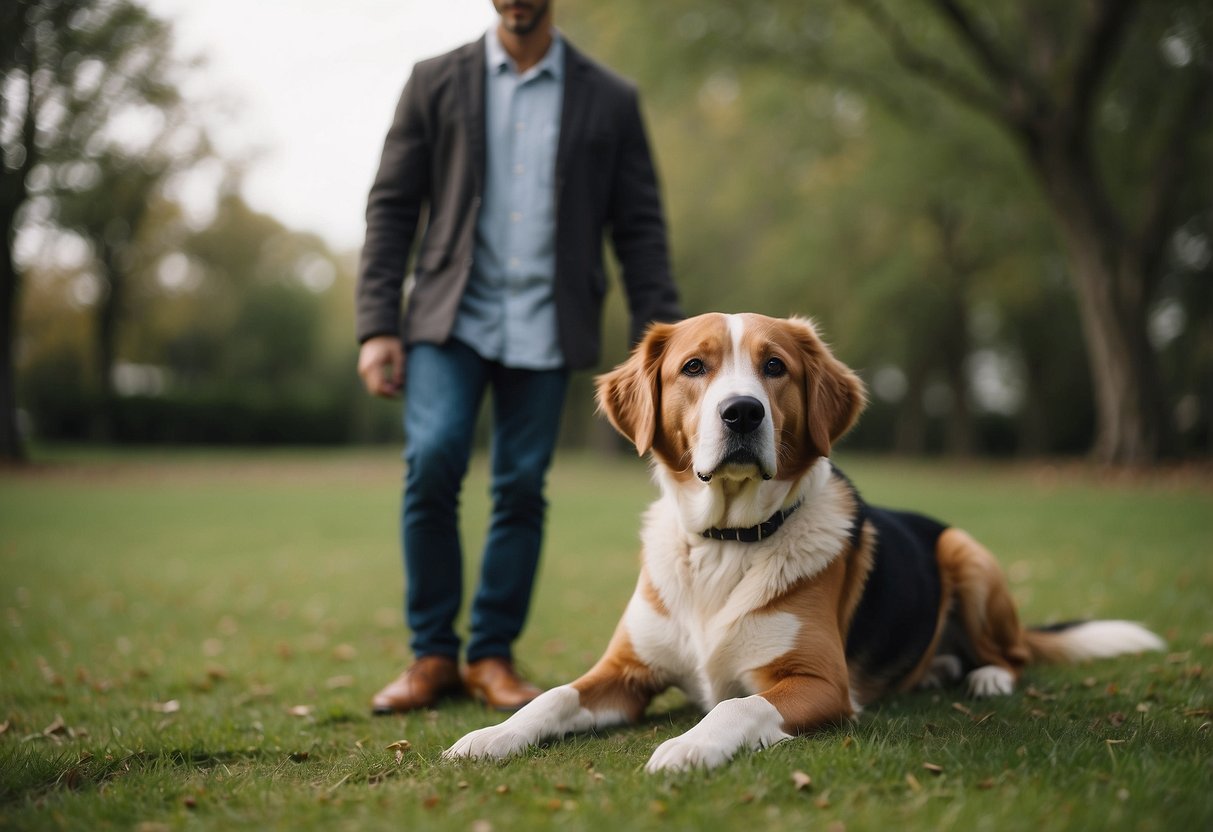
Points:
(732, 397)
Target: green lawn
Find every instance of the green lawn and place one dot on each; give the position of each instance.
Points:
(190, 640)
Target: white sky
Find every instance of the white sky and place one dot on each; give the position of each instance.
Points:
(314, 84)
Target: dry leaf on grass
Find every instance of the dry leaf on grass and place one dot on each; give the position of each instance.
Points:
(172, 706)
(801, 780)
(934, 768)
(400, 746)
(300, 710)
(913, 782)
(337, 682)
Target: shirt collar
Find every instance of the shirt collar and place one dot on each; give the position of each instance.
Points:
(497, 59)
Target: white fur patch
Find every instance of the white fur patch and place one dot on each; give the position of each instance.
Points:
(736, 377)
(553, 713)
(711, 637)
(733, 725)
(991, 680)
(1103, 639)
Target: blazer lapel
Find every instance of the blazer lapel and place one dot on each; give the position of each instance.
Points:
(471, 77)
(573, 108)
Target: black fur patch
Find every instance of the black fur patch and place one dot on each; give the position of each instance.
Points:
(895, 620)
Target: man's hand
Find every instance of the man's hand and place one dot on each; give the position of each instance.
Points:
(381, 365)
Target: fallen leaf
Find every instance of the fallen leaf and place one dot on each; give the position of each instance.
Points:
(1116, 719)
(1206, 640)
(822, 802)
(502, 789)
(913, 782)
(399, 745)
(299, 756)
(431, 802)
(300, 710)
(345, 652)
(57, 726)
(960, 706)
(934, 768)
(801, 780)
(481, 825)
(4, 726)
(462, 784)
(172, 706)
(336, 682)
(1089, 682)
(988, 783)
(748, 797)
(190, 802)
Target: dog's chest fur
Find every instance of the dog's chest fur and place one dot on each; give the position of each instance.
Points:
(722, 617)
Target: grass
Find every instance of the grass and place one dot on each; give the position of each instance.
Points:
(190, 641)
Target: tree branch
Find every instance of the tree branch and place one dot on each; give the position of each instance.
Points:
(939, 74)
(1104, 34)
(1015, 81)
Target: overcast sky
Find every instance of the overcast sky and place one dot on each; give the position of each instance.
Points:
(314, 84)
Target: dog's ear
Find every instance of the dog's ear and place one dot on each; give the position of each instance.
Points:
(630, 394)
(834, 395)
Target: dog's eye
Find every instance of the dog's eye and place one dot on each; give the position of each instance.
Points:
(774, 368)
(694, 367)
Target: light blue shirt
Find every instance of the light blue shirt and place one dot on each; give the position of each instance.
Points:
(508, 311)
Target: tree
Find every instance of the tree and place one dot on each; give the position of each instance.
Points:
(1040, 74)
(69, 70)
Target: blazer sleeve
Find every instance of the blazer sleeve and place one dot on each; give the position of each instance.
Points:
(638, 231)
(400, 190)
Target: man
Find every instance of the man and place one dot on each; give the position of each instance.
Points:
(524, 153)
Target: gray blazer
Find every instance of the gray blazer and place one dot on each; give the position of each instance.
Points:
(434, 159)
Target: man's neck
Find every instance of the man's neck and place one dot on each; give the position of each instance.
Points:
(526, 50)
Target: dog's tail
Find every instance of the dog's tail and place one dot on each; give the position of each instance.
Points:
(1076, 641)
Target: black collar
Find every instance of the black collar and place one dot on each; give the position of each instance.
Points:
(753, 534)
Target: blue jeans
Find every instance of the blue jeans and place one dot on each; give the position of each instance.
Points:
(444, 387)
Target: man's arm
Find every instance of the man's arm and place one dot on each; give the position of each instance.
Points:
(393, 210)
(638, 230)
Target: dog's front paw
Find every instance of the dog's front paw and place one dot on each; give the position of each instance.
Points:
(682, 753)
(492, 743)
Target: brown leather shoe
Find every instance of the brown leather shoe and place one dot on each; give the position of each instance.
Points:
(496, 683)
(429, 679)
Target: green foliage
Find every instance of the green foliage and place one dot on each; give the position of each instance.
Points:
(194, 601)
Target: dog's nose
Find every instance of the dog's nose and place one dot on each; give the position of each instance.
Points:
(742, 414)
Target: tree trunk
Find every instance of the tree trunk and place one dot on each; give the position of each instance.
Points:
(12, 447)
(1131, 423)
(109, 308)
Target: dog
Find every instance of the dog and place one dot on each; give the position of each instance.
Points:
(769, 591)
